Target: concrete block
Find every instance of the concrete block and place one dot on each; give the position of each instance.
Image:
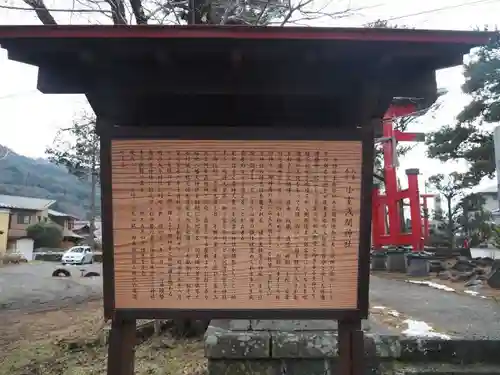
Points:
(396, 262)
(243, 367)
(321, 344)
(379, 262)
(418, 267)
(222, 344)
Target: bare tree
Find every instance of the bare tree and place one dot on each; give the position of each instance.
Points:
(77, 149)
(214, 12)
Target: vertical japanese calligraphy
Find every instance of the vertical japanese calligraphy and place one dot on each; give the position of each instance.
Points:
(236, 224)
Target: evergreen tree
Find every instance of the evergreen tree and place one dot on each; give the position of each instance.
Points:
(471, 137)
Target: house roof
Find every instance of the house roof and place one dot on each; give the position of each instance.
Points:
(60, 214)
(24, 203)
(79, 224)
(71, 234)
(488, 190)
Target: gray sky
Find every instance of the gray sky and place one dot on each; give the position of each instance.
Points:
(29, 119)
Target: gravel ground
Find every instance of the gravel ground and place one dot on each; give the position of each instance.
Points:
(31, 287)
(448, 312)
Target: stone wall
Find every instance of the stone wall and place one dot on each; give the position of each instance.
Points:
(315, 352)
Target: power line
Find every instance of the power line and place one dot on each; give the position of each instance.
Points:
(476, 2)
(56, 9)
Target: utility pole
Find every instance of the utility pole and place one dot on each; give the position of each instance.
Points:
(93, 191)
(496, 140)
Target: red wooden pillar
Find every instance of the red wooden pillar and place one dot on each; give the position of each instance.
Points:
(416, 218)
(378, 225)
(390, 179)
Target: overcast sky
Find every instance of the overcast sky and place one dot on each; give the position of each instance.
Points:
(29, 119)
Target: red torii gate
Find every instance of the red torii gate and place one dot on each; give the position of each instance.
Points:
(390, 203)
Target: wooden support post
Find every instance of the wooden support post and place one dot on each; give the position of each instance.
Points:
(157, 326)
(121, 348)
(351, 348)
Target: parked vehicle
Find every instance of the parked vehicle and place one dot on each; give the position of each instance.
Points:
(78, 255)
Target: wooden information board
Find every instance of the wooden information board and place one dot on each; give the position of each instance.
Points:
(236, 224)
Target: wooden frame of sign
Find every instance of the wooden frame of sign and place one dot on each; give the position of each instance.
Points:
(236, 222)
(304, 91)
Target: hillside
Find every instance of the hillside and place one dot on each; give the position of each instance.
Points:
(38, 178)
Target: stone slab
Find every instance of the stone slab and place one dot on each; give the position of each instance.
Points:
(307, 344)
(395, 368)
(220, 343)
(329, 367)
(224, 344)
(282, 325)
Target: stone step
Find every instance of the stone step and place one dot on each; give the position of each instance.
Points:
(309, 352)
(326, 367)
(438, 369)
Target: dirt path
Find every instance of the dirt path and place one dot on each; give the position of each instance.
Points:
(458, 315)
(31, 287)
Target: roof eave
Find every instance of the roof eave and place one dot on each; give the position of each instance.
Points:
(242, 32)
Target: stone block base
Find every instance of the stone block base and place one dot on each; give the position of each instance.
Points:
(396, 262)
(379, 262)
(326, 367)
(418, 267)
(316, 353)
(275, 367)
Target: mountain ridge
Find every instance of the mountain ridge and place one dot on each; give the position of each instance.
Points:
(39, 178)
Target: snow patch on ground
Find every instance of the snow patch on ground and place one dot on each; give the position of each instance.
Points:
(418, 328)
(474, 293)
(390, 312)
(471, 292)
(431, 285)
(411, 327)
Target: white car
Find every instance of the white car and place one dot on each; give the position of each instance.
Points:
(78, 255)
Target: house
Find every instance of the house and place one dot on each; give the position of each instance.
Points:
(67, 223)
(491, 203)
(4, 229)
(18, 213)
(82, 228)
(490, 197)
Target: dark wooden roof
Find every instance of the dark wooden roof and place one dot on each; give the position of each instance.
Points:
(130, 71)
(243, 32)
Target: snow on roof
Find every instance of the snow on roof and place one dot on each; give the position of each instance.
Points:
(60, 214)
(24, 203)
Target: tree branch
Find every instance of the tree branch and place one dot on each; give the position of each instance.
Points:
(138, 10)
(41, 11)
(117, 12)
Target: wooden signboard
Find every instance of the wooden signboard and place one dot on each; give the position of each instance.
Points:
(230, 224)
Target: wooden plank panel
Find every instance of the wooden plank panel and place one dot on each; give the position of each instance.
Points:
(236, 224)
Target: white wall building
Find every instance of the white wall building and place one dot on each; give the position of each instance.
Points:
(491, 202)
